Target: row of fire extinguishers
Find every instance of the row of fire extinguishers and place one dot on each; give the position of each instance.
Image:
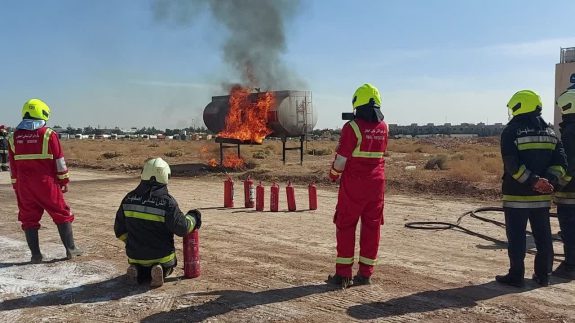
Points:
(191, 243)
(258, 201)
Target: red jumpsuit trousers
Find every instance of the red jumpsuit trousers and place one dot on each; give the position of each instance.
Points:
(38, 171)
(361, 194)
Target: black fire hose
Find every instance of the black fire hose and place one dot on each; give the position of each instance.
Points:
(435, 225)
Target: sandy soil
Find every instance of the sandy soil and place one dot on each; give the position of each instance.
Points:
(267, 267)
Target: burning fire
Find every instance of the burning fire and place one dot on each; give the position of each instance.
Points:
(247, 118)
(230, 161)
(233, 161)
(212, 162)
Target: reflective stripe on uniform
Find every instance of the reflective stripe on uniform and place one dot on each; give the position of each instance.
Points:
(192, 223)
(144, 216)
(522, 175)
(43, 155)
(344, 261)
(527, 139)
(162, 260)
(3, 151)
(536, 145)
(63, 176)
(367, 261)
(123, 237)
(357, 151)
(61, 165)
(557, 170)
(143, 209)
(564, 198)
(564, 180)
(13, 180)
(526, 202)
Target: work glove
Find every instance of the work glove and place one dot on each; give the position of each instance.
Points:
(334, 174)
(197, 217)
(543, 186)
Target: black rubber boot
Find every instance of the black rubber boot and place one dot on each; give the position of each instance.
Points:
(343, 282)
(65, 230)
(359, 279)
(541, 281)
(565, 271)
(34, 245)
(509, 280)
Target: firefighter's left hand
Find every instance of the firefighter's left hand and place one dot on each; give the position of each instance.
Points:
(64, 188)
(197, 217)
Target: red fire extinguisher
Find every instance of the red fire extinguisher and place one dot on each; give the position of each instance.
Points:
(312, 192)
(192, 254)
(274, 197)
(290, 197)
(229, 192)
(260, 197)
(249, 192)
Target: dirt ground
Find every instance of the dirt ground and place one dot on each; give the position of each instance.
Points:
(262, 266)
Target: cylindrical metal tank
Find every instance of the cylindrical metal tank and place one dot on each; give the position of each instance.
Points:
(292, 114)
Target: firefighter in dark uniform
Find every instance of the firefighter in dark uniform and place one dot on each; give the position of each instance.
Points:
(534, 162)
(147, 221)
(565, 198)
(3, 149)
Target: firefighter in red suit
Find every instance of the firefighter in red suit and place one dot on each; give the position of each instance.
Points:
(359, 161)
(40, 177)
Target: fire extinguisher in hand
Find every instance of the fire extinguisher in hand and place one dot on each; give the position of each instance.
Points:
(229, 192)
(249, 193)
(192, 246)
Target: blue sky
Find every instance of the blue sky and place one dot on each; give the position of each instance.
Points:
(110, 63)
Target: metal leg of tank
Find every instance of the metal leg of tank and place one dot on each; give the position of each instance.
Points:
(284, 149)
(301, 139)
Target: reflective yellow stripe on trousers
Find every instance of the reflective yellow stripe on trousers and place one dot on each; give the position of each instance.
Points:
(148, 262)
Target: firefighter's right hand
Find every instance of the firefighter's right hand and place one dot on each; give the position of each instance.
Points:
(334, 174)
(64, 188)
(197, 217)
(543, 186)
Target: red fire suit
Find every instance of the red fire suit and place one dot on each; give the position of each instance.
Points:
(38, 172)
(361, 193)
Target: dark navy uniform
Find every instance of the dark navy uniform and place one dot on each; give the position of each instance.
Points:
(530, 150)
(565, 198)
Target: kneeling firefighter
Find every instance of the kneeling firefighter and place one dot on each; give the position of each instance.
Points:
(147, 220)
(360, 163)
(565, 198)
(534, 163)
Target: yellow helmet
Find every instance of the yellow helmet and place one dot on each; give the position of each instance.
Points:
(36, 109)
(156, 169)
(566, 102)
(524, 101)
(366, 94)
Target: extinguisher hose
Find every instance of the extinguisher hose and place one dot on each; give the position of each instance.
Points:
(438, 225)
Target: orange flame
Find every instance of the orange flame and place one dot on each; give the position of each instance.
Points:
(212, 162)
(234, 161)
(247, 118)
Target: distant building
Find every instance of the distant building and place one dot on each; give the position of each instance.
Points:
(447, 129)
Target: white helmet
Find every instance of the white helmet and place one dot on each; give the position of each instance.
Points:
(566, 102)
(156, 169)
